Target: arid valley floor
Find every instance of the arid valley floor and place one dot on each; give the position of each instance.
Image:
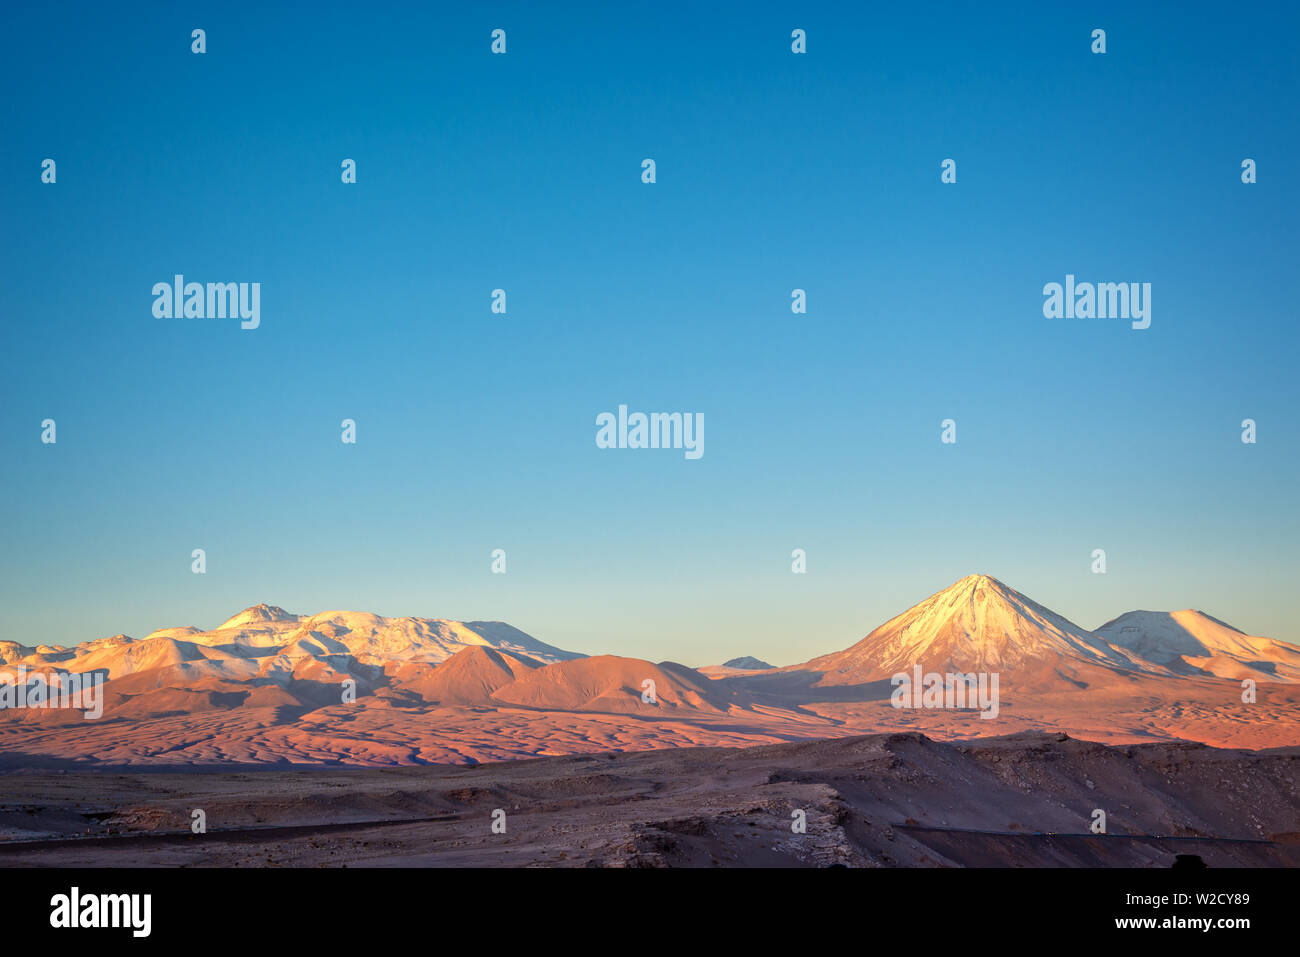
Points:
(875, 801)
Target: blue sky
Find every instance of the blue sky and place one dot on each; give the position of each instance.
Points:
(775, 171)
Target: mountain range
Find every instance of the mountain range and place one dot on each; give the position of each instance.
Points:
(268, 685)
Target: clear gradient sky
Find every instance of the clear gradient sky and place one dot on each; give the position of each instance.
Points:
(523, 171)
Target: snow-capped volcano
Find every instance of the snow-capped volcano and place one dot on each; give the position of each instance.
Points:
(1192, 642)
(978, 624)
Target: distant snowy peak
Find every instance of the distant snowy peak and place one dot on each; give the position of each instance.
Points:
(747, 663)
(1168, 634)
(509, 638)
(256, 615)
(1192, 642)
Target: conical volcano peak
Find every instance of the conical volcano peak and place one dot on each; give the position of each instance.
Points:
(975, 591)
(976, 624)
(977, 582)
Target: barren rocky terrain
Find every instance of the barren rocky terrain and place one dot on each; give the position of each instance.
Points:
(874, 801)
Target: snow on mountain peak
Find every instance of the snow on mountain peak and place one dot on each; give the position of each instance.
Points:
(975, 624)
(1192, 642)
(256, 615)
